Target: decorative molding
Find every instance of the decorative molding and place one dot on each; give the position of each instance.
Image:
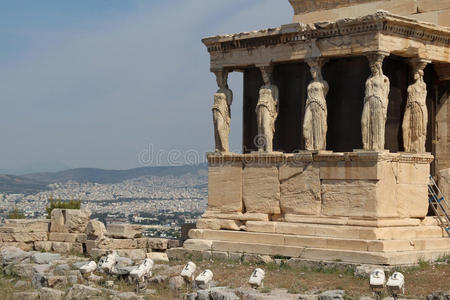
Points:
(380, 22)
(309, 156)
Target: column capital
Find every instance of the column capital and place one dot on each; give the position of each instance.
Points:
(221, 77)
(418, 63)
(374, 56)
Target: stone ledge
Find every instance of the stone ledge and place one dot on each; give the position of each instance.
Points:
(200, 240)
(346, 231)
(314, 254)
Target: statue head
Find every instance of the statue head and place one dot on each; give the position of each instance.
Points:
(418, 75)
(376, 63)
(266, 73)
(315, 68)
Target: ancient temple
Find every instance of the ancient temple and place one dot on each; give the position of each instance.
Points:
(345, 117)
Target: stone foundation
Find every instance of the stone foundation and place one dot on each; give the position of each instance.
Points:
(358, 207)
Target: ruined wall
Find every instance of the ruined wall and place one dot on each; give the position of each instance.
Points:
(311, 11)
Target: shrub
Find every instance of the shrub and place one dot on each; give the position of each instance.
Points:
(15, 214)
(58, 203)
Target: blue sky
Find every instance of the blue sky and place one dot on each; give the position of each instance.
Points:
(103, 83)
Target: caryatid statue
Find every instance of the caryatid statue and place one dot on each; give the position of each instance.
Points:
(221, 112)
(415, 119)
(373, 121)
(266, 111)
(315, 122)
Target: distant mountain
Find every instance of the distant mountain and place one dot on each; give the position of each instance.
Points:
(33, 183)
(20, 185)
(113, 176)
(38, 167)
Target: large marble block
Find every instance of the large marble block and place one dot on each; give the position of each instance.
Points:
(300, 188)
(225, 187)
(261, 188)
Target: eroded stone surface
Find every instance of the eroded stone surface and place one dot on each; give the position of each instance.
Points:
(300, 189)
(261, 189)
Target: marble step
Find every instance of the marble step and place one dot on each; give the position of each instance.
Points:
(318, 254)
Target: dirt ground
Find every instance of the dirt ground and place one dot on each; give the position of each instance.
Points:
(421, 280)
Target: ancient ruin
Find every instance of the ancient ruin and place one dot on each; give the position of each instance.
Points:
(345, 117)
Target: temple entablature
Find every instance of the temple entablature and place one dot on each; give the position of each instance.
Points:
(381, 31)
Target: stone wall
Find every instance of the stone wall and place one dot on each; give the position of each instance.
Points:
(356, 184)
(71, 231)
(311, 11)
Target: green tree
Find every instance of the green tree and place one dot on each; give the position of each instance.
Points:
(59, 203)
(15, 214)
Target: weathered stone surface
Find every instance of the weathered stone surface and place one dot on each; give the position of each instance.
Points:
(197, 245)
(219, 224)
(225, 187)
(349, 198)
(261, 189)
(69, 220)
(26, 296)
(134, 254)
(45, 246)
(176, 283)
(332, 295)
(38, 279)
(124, 231)
(335, 10)
(112, 244)
(23, 270)
(430, 5)
(158, 256)
(23, 237)
(49, 293)
(127, 296)
(26, 225)
(67, 237)
(300, 188)
(95, 230)
(65, 247)
(177, 253)
(79, 291)
(56, 281)
(157, 244)
(412, 200)
(44, 258)
(10, 255)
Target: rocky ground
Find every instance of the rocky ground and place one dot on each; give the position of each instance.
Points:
(42, 275)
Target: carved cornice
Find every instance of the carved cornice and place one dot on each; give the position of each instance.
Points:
(380, 22)
(309, 156)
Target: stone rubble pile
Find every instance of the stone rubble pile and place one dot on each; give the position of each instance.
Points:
(72, 231)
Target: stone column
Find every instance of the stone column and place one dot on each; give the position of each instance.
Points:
(315, 121)
(373, 121)
(221, 111)
(266, 111)
(415, 119)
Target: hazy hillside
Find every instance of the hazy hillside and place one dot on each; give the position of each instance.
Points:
(113, 176)
(20, 185)
(32, 183)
